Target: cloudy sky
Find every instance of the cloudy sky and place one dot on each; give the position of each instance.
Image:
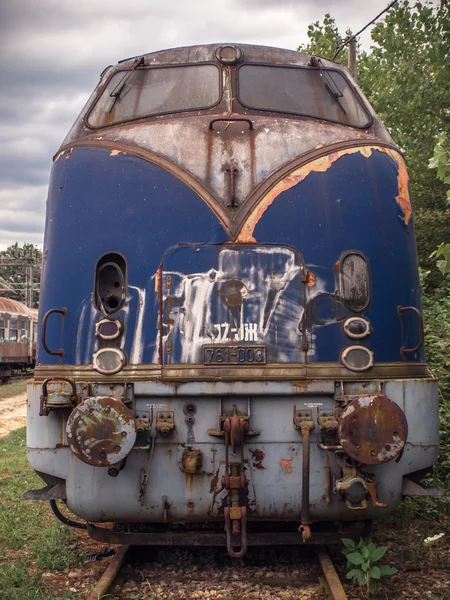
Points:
(52, 52)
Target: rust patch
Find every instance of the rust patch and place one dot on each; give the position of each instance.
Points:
(403, 199)
(258, 457)
(69, 153)
(310, 279)
(320, 165)
(116, 152)
(373, 429)
(101, 431)
(336, 267)
(59, 155)
(302, 383)
(285, 463)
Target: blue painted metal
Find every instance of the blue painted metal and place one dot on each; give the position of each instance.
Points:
(101, 203)
(352, 206)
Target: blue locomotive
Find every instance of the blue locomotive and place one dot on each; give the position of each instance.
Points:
(231, 343)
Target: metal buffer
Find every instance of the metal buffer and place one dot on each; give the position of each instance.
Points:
(304, 423)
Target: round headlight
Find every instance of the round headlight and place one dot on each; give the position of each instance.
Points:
(356, 328)
(108, 330)
(109, 361)
(357, 358)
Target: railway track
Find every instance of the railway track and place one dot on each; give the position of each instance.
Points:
(329, 587)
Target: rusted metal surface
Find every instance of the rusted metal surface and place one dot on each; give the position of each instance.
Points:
(101, 431)
(303, 421)
(373, 429)
(13, 307)
(279, 372)
(191, 460)
(321, 165)
(165, 422)
(63, 313)
(109, 575)
(206, 538)
(404, 351)
(333, 583)
(62, 394)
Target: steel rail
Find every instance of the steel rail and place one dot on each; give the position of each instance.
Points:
(109, 575)
(330, 580)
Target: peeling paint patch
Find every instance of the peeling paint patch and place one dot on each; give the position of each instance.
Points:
(69, 153)
(321, 165)
(310, 279)
(116, 152)
(59, 155)
(403, 198)
(285, 463)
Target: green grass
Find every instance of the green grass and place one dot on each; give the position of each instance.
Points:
(31, 541)
(16, 387)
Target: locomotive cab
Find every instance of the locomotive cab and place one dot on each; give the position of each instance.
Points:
(231, 345)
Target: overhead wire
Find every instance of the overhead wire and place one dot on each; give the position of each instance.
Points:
(352, 37)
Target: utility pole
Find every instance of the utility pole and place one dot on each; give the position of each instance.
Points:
(26, 260)
(352, 58)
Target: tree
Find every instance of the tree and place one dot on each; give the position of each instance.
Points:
(405, 78)
(15, 261)
(324, 39)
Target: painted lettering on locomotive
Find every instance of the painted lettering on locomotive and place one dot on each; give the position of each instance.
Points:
(232, 337)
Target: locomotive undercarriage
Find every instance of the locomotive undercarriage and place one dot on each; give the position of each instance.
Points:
(159, 458)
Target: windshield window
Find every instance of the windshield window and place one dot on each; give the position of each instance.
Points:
(320, 93)
(145, 92)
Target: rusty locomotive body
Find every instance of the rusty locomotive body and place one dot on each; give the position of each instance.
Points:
(18, 330)
(231, 347)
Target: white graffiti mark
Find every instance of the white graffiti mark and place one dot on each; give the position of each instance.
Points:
(247, 297)
(137, 348)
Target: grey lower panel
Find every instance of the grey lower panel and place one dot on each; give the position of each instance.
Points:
(272, 459)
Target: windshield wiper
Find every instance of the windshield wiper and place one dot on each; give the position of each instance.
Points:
(120, 86)
(330, 84)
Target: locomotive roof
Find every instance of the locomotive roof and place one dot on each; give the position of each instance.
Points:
(250, 53)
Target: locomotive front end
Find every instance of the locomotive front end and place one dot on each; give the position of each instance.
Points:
(231, 331)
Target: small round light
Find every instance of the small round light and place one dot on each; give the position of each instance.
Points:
(357, 358)
(228, 55)
(109, 361)
(108, 330)
(356, 328)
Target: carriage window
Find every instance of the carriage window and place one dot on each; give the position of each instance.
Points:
(154, 91)
(354, 281)
(320, 93)
(13, 329)
(2, 329)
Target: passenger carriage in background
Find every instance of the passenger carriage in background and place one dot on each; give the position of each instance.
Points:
(232, 340)
(18, 336)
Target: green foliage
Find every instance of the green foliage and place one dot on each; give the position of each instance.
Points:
(14, 276)
(405, 77)
(436, 311)
(27, 528)
(432, 228)
(324, 39)
(441, 161)
(442, 252)
(361, 559)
